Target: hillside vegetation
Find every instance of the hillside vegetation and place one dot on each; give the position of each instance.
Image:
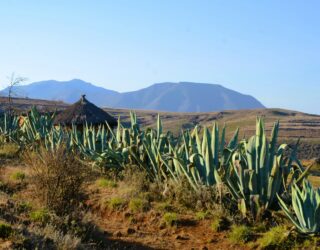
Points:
(143, 188)
(293, 124)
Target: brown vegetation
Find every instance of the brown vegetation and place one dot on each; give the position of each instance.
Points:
(57, 178)
(124, 212)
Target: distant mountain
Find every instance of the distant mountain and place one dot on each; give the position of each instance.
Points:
(68, 91)
(176, 97)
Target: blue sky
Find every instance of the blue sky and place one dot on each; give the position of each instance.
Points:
(269, 49)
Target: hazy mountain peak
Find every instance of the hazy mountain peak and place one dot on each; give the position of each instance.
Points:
(181, 96)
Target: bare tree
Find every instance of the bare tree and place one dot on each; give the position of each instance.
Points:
(14, 81)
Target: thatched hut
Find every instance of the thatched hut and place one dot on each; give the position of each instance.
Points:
(83, 112)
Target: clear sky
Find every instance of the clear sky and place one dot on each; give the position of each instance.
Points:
(269, 49)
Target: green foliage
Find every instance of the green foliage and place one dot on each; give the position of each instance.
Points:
(18, 176)
(240, 234)
(9, 128)
(5, 230)
(40, 215)
(116, 203)
(202, 160)
(306, 206)
(217, 224)
(310, 243)
(165, 207)
(24, 207)
(37, 128)
(138, 205)
(276, 238)
(260, 170)
(170, 219)
(201, 215)
(105, 183)
(254, 171)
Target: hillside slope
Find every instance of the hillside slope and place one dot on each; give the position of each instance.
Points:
(293, 124)
(186, 97)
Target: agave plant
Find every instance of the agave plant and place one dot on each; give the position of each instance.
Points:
(36, 127)
(9, 128)
(150, 152)
(54, 139)
(94, 145)
(259, 170)
(203, 161)
(306, 207)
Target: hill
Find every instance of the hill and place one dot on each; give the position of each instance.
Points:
(68, 92)
(293, 124)
(174, 97)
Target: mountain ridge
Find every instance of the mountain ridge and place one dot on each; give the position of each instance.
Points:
(167, 96)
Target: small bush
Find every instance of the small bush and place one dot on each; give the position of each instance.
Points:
(201, 215)
(5, 230)
(183, 194)
(170, 219)
(138, 205)
(9, 150)
(105, 183)
(116, 203)
(51, 237)
(136, 179)
(58, 177)
(310, 243)
(240, 234)
(276, 238)
(219, 224)
(165, 207)
(18, 176)
(24, 207)
(41, 215)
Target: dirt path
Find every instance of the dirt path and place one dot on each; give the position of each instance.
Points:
(145, 231)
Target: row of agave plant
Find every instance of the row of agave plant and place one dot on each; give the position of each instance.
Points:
(258, 173)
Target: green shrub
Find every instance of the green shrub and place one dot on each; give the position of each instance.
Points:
(218, 224)
(24, 207)
(41, 215)
(116, 203)
(240, 234)
(5, 230)
(201, 215)
(164, 207)
(18, 176)
(276, 238)
(310, 243)
(105, 183)
(170, 219)
(138, 205)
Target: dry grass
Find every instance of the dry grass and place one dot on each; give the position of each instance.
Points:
(9, 150)
(57, 178)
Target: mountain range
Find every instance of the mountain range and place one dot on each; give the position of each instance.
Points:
(167, 96)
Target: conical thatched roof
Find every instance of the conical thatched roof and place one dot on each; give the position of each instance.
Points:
(84, 111)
